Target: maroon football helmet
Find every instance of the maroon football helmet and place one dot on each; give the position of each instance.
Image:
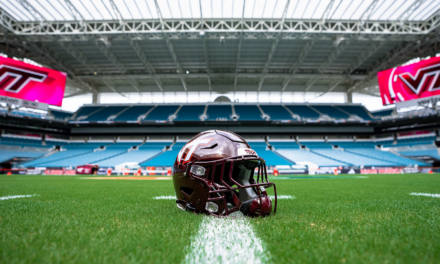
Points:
(214, 174)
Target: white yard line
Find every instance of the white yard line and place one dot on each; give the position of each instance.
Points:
(226, 240)
(426, 194)
(289, 197)
(16, 196)
(169, 197)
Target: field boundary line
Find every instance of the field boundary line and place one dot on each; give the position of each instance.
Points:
(426, 194)
(17, 196)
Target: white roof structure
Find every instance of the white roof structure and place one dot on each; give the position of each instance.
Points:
(211, 45)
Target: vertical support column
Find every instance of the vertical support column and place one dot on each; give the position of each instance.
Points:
(349, 97)
(95, 98)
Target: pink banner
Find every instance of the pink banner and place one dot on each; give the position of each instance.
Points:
(404, 83)
(28, 82)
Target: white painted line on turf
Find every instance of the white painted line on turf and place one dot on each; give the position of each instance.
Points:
(289, 197)
(426, 194)
(226, 240)
(16, 196)
(170, 197)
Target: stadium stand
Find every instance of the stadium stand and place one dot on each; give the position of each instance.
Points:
(360, 111)
(161, 112)
(276, 112)
(88, 110)
(190, 113)
(348, 153)
(215, 112)
(270, 157)
(383, 113)
(132, 113)
(303, 111)
(248, 112)
(167, 158)
(331, 111)
(8, 152)
(434, 153)
(219, 112)
(105, 113)
(60, 115)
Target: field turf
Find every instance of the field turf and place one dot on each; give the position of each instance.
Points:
(331, 220)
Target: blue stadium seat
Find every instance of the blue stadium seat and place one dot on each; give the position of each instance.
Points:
(190, 113)
(356, 110)
(219, 112)
(248, 113)
(105, 113)
(133, 113)
(161, 112)
(331, 111)
(303, 111)
(87, 110)
(276, 112)
(60, 115)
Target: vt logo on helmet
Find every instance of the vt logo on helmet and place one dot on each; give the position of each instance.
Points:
(217, 173)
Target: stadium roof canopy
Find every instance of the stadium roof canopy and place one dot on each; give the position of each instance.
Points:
(210, 45)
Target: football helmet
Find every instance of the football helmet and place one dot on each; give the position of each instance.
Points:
(217, 173)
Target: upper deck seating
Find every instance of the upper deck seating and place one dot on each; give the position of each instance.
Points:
(248, 113)
(60, 115)
(190, 113)
(356, 110)
(105, 113)
(133, 113)
(276, 112)
(303, 111)
(219, 112)
(161, 112)
(88, 110)
(331, 111)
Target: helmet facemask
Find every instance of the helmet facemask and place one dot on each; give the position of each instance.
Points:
(235, 184)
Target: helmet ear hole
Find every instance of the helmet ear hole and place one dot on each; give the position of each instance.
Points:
(186, 191)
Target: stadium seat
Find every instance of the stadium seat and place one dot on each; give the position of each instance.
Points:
(190, 113)
(133, 113)
(248, 113)
(219, 112)
(303, 111)
(276, 112)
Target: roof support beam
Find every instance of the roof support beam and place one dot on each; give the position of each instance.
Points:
(135, 84)
(170, 47)
(236, 63)
(33, 11)
(176, 61)
(304, 52)
(309, 84)
(109, 85)
(333, 55)
(273, 48)
(370, 50)
(6, 20)
(103, 46)
(230, 76)
(410, 10)
(79, 56)
(205, 51)
(141, 54)
(74, 12)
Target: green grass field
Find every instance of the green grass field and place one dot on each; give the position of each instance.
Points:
(332, 220)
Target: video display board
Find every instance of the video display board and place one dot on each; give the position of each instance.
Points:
(28, 82)
(414, 81)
